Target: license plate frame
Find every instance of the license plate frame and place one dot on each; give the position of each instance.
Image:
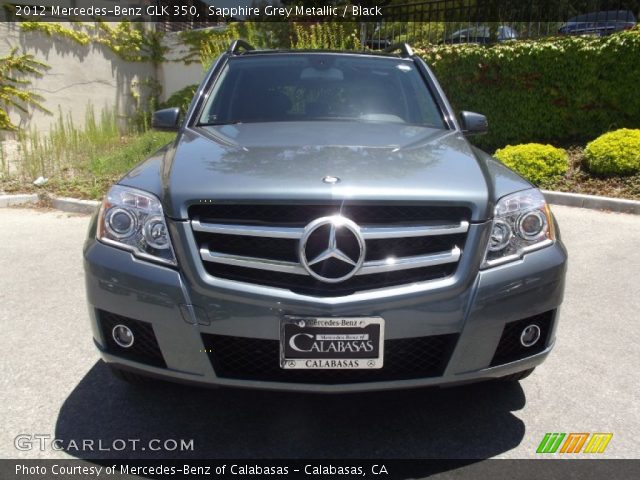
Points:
(317, 345)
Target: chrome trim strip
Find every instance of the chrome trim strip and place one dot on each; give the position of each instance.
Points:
(516, 256)
(405, 263)
(252, 262)
(423, 231)
(247, 231)
(377, 266)
(368, 233)
(137, 253)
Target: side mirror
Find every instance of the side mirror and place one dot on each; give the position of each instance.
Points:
(166, 119)
(473, 123)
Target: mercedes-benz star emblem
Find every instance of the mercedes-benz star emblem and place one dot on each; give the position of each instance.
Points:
(330, 179)
(332, 249)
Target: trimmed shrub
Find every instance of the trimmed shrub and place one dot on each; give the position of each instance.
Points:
(559, 90)
(614, 153)
(534, 161)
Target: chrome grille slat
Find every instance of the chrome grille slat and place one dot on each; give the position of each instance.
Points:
(368, 268)
(369, 233)
(405, 263)
(252, 262)
(248, 231)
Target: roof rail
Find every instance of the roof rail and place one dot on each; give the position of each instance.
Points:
(236, 45)
(404, 48)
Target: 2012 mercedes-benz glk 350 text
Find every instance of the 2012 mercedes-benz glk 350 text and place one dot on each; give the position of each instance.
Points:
(321, 223)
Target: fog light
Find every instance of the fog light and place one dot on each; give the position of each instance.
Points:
(530, 336)
(122, 335)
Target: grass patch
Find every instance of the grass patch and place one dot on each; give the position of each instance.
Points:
(91, 179)
(67, 148)
(81, 162)
(131, 150)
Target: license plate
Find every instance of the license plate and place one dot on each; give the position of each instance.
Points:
(332, 343)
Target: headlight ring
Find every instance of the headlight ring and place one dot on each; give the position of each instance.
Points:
(500, 235)
(155, 232)
(531, 225)
(120, 223)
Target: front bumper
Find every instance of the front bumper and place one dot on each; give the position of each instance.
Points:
(179, 314)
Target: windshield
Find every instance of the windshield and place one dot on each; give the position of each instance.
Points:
(320, 87)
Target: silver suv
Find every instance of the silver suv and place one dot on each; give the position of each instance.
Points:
(321, 223)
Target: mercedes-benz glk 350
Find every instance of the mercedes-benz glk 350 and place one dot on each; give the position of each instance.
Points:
(322, 223)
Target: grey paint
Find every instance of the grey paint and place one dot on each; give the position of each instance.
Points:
(473, 123)
(166, 119)
(284, 161)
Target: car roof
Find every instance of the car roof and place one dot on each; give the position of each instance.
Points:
(363, 53)
(239, 48)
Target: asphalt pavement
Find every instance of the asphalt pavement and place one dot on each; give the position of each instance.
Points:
(53, 384)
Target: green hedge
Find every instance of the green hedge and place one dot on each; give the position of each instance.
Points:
(614, 153)
(534, 161)
(559, 90)
(181, 98)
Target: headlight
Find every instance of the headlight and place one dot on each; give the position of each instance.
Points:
(522, 223)
(133, 220)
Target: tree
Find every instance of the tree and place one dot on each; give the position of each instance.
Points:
(13, 93)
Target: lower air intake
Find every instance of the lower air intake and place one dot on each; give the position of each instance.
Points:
(257, 359)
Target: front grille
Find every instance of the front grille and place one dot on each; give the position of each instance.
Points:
(260, 244)
(257, 359)
(145, 347)
(510, 349)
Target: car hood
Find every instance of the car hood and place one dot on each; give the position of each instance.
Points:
(288, 161)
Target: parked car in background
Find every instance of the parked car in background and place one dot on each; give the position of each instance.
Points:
(378, 43)
(599, 23)
(481, 34)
